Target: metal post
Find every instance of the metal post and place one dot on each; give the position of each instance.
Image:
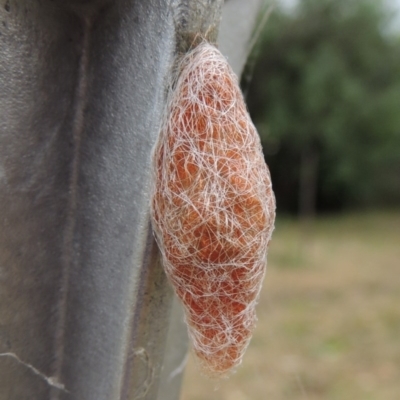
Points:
(84, 303)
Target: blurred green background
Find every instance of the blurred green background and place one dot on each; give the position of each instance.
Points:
(323, 88)
(325, 96)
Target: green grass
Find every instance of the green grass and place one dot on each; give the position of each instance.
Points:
(329, 316)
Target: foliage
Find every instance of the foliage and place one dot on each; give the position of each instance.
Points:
(328, 81)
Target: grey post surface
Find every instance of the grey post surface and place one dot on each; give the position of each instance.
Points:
(84, 303)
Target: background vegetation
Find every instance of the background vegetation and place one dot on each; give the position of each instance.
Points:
(329, 316)
(325, 96)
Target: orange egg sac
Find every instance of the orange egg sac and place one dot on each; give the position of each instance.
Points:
(213, 208)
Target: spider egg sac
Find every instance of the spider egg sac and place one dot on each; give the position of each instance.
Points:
(213, 208)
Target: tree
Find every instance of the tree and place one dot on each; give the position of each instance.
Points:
(325, 95)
